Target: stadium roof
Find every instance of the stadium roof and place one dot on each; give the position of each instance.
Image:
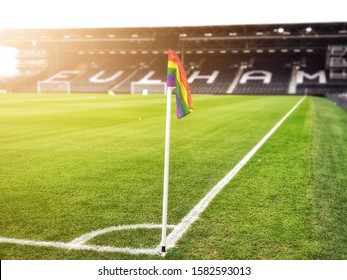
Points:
(194, 38)
(36, 14)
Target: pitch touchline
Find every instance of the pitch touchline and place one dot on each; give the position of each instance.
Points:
(192, 216)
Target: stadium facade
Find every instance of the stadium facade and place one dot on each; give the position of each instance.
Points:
(308, 58)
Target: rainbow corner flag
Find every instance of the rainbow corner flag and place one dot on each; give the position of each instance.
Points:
(176, 77)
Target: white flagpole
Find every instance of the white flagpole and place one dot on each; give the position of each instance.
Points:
(166, 168)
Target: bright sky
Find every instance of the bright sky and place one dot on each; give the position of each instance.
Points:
(8, 61)
(154, 13)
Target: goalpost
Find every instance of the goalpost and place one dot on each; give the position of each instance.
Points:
(53, 86)
(145, 88)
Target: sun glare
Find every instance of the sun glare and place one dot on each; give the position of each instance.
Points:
(8, 61)
(137, 13)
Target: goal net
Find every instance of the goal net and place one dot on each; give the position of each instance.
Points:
(146, 88)
(53, 86)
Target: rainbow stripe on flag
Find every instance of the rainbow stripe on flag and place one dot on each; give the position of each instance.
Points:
(176, 77)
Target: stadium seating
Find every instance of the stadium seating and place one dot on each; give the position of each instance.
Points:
(266, 76)
(241, 73)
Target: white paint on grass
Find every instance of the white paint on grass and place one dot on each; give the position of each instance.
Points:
(70, 246)
(178, 231)
(79, 243)
(86, 237)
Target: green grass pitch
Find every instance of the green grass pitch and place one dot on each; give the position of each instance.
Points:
(73, 164)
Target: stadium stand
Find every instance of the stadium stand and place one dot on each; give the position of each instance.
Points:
(218, 60)
(339, 99)
(217, 74)
(266, 75)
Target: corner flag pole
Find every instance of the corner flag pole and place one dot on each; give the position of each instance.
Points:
(176, 78)
(166, 168)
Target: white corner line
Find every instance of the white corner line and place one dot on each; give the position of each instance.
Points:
(69, 246)
(79, 243)
(86, 237)
(193, 215)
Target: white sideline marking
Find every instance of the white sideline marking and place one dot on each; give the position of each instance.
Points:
(192, 216)
(62, 245)
(178, 230)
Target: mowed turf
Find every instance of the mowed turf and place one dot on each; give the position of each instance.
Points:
(72, 164)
